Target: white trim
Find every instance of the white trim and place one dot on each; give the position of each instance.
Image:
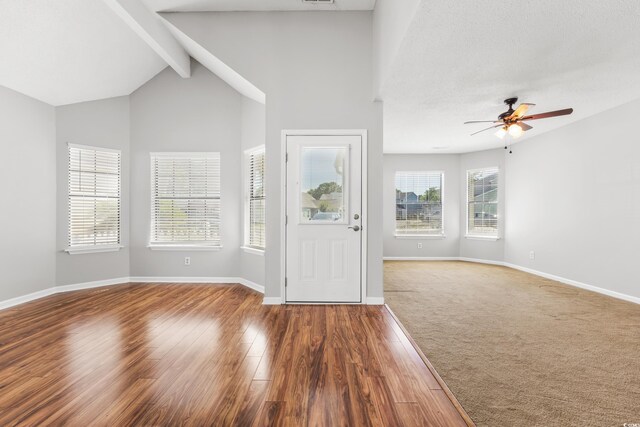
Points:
(375, 300)
(77, 250)
(250, 250)
(93, 148)
(420, 236)
(481, 261)
(575, 283)
(60, 289)
(185, 247)
(560, 279)
(363, 134)
(272, 301)
(420, 258)
(123, 280)
(480, 237)
(26, 298)
(89, 285)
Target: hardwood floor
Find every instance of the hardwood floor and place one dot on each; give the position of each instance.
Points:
(210, 355)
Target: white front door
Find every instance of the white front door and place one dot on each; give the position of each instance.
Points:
(324, 219)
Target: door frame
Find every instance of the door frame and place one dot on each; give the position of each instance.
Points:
(283, 207)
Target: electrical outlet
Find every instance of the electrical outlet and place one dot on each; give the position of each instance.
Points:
(419, 245)
(532, 255)
(187, 260)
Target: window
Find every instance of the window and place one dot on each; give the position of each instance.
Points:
(185, 205)
(94, 199)
(255, 200)
(419, 203)
(482, 202)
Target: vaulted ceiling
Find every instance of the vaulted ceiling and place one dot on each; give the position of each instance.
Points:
(460, 59)
(68, 51)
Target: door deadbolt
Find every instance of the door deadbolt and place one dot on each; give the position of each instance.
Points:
(356, 216)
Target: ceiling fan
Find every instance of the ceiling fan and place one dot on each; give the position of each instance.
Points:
(512, 121)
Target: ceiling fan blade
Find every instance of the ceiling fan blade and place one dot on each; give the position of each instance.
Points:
(481, 121)
(524, 126)
(521, 110)
(492, 127)
(548, 114)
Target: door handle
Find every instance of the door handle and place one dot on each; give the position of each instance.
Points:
(355, 228)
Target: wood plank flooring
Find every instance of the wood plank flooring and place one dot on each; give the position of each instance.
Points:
(210, 355)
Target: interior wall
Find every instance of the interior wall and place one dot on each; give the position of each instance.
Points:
(573, 197)
(431, 247)
(488, 250)
(28, 174)
(105, 124)
(316, 71)
(198, 114)
(252, 136)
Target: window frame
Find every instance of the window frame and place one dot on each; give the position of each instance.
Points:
(481, 236)
(246, 246)
(441, 234)
(94, 248)
(181, 246)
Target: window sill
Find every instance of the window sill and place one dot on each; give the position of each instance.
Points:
(251, 250)
(184, 248)
(489, 238)
(421, 236)
(92, 249)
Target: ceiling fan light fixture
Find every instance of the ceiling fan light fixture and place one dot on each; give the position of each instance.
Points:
(502, 132)
(515, 130)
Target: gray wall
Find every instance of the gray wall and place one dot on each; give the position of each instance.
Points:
(172, 114)
(316, 71)
(490, 250)
(573, 197)
(103, 124)
(28, 210)
(432, 247)
(253, 129)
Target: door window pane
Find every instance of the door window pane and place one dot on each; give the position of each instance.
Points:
(322, 181)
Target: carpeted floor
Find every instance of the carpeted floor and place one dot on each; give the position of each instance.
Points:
(520, 350)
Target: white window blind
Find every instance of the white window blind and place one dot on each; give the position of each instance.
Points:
(255, 235)
(185, 199)
(94, 197)
(419, 203)
(482, 202)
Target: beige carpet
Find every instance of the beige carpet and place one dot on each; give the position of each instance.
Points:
(520, 350)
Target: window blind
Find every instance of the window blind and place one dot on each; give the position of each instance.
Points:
(185, 199)
(256, 200)
(94, 196)
(419, 203)
(482, 202)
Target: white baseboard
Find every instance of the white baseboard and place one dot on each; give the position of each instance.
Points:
(575, 283)
(26, 298)
(421, 258)
(89, 285)
(121, 280)
(375, 301)
(481, 261)
(272, 301)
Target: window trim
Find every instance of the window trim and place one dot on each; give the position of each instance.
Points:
(180, 246)
(486, 237)
(88, 249)
(432, 236)
(246, 246)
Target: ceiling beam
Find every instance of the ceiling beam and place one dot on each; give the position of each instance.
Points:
(147, 25)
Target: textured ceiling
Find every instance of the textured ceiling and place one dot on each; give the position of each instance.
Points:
(460, 59)
(253, 5)
(67, 51)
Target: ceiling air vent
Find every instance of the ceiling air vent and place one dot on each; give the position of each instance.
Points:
(318, 1)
